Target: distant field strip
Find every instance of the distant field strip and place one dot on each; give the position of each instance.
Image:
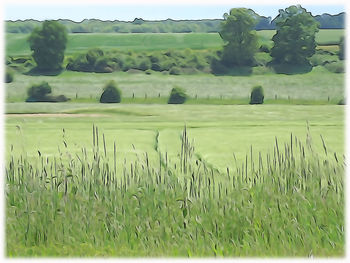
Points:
(17, 45)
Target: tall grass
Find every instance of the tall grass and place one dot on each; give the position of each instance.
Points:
(288, 203)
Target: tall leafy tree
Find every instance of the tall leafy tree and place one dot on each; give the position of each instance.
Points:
(48, 44)
(241, 41)
(294, 41)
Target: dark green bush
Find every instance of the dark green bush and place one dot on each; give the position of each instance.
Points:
(175, 71)
(335, 67)
(111, 93)
(177, 96)
(264, 48)
(342, 102)
(39, 92)
(144, 64)
(257, 95)
(93, 54)
(9, 76)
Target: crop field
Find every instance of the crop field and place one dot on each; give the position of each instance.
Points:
(16, 44)
(151, 188)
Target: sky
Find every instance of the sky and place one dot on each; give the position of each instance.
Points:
(155, 11)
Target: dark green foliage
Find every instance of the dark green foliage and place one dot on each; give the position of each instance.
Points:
(93, 54)
(177, 61)
(144, 64)
(175, 71)
(342, 102)
(257, 95)
(264, 48)
(294, 41)
(39, 91)
(48, 44)
(177, 96)
(342, 46)
(241, 41)
(111, 93)
(9, 75)
(103, 65)
(335, 67)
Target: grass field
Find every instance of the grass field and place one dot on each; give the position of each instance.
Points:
(316, 85)
(236, 127)
(16, 44)
(228, 208)
(203, 179)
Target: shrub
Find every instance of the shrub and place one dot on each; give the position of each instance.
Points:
(342, 102)
(335, 67)
(175, 71)
(144, 64)
(257, 95)
(93, 54)
(102, 65)
(177, 96)
(264, 48)
(9, 76)
(111, 93)
(38, 92)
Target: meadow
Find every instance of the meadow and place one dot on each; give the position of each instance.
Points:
(238, 181)
(318, 85)
(16, 44)
(143, 178)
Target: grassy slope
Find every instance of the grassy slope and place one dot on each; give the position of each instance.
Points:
(16, 43)
(316, 85)
(218, 130)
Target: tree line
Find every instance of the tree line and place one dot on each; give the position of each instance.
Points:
(139, 25)
(293, 46)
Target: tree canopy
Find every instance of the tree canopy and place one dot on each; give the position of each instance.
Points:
(48, 44)
(294, 41)
(241, 41)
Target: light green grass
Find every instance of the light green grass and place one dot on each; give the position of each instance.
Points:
(16, 44)
(194, 202)
(316, 85)
(219, 130)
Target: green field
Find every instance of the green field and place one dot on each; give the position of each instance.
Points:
(16, 44)
(317, 85)
(236, 126)
(225, 138)
(214, 177)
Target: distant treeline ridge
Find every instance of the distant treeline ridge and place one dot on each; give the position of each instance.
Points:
(139, 25)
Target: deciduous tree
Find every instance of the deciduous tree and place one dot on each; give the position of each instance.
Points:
(48, 44)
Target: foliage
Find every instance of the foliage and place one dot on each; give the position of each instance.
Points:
(48, 44)
(9, 75)
(39, 91)
(177, 96)
(241, 41)
(294, 41)
(257, 95)
(335, 67)
(264, 48)
(175, 71)
(111, 93)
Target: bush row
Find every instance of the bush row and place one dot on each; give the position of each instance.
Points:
(175, 61)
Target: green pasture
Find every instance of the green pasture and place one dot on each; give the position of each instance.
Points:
(218, 131)
(316, 85)
(16, 44)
